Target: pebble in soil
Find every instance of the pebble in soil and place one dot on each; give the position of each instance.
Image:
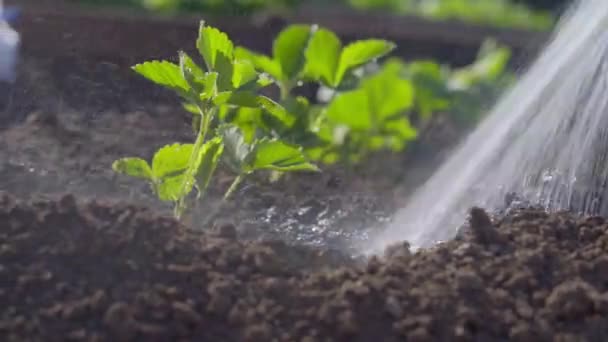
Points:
(101, 272)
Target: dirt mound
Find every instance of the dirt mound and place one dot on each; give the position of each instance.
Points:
(100, 272)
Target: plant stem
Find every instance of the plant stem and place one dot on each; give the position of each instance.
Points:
(237, 181)
(200, 140)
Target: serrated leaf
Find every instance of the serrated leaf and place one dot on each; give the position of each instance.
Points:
(210, 86)
(191, 72)
(170, 188)
(236, 150)
(388, 95)
(279, 156)
(243, 73)
(211, 43)
(248, 120)
(260, 62)
(163, 73)
(323, 56)
(169, 167)
(351, 109)
(207, 161)
(360, 53)
(171, 159)
(225, 69)
(276, 110)
(289, 49)
(134, 167)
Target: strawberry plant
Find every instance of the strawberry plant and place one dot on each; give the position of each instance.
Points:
(368, 118)
(305, 53)
(462, 92)
(248, 132)
(224, 83)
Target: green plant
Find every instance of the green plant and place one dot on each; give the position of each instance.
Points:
(303, 53)
(227, 82)
(368, 118)
(463, 92)
(248, 132)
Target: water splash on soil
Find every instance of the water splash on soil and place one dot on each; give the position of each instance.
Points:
(545, 139)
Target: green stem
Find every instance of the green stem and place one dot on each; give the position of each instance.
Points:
(237, 181)
(200, 140)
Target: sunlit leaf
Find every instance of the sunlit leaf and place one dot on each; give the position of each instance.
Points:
(171, 188)
(171, 159)
(289, 48)
(211, 43)
(236, 150)
(243, 73)
(323, 56)
(206, 162)
(351, 109)
(261, 62)
(388, 95)
(191, 72)
(134, 167)
(276, 110)
(359, 53)
(163, 73)
(279, 156)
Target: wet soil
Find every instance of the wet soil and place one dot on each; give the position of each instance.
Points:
(106, 272)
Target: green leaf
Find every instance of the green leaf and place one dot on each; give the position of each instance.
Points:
(169, 167)
(134, 167)
(191, 72)
(359, 53)
(351, 109)
(210, 86)
(170, 188)
(276, 110)
(225, 70)
(236, 150)
(206, 162)
(371, 117)
(261, 62)
(212, 43)
(289, 48)
(249, 121)
(171, 159)
(243, 73)
(163, 73)
(388, 95)
(279, 156)
(323, 57)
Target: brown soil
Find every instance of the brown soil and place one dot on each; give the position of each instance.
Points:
(99, 272)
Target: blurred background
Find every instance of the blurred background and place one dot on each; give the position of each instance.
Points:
(534, 14)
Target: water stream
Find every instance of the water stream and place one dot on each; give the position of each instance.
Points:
(546, 140)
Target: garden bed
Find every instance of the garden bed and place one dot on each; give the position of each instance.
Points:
(94, 265)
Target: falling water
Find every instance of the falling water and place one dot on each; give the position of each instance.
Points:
(545, 140)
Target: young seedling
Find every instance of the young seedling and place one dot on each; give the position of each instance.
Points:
(307, 53)
(226, 82)
(367, 119)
